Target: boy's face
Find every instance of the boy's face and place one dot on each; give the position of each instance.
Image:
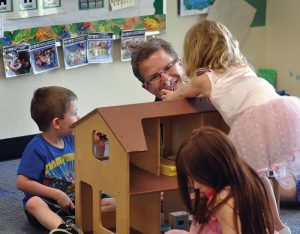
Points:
(70, 117)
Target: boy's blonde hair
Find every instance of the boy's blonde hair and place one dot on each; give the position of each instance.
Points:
(210, 45)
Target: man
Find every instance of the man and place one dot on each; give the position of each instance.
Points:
(156, 64)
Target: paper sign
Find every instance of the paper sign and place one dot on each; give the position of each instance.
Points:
(120, 4)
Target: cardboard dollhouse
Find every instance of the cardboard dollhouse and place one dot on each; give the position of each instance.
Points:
(138, 134)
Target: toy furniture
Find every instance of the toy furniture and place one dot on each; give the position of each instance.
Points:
(138, 135)
(179, 220)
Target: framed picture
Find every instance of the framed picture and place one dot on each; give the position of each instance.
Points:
(100, 47)
(75, 52)
(44, 56)
(16, 60)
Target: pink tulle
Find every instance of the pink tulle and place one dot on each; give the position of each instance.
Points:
(268, 137)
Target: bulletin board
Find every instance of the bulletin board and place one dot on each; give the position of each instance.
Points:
(71, 20)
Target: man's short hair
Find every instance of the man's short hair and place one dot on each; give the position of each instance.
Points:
(145, 49)
(48, 103)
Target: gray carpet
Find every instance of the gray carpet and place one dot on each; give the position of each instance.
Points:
(14, 221)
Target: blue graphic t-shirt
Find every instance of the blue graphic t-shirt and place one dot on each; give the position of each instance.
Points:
(49, 165)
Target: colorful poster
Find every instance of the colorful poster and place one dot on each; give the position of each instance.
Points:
(44, 56)
(75, 52)
(193, 7)
(100, 47)
(16, 60)
(129, 38)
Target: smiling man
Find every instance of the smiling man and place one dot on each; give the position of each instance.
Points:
(156, 64)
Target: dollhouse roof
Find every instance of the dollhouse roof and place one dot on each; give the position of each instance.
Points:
(125, 121)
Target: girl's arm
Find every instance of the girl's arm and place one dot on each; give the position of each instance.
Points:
(225, 215)
(199, 85)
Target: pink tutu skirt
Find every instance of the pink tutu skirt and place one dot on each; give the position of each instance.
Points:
(267, 137)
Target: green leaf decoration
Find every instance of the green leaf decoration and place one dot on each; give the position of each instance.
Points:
(58, 29)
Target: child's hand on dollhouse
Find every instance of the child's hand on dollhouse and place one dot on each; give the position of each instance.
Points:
(108, 204)
(99, 141)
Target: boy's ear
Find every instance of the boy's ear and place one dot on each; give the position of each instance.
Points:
(55, 123)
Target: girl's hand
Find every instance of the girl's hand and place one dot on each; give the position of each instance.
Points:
(167, 95)
(64, 201)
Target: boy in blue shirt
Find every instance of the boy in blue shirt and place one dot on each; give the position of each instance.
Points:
(46, 172)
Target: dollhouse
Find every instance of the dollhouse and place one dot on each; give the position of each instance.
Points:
(138, 135)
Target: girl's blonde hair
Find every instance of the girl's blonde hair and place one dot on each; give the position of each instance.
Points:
(210, 45)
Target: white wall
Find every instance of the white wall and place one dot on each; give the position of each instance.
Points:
(100, 85)
(283, 47)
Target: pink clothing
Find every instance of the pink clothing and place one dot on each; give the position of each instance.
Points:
(212, 227)
(264, 127)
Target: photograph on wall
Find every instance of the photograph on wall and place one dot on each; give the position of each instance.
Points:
(75, 52)
(100, 47)
(129, 39)
(16, 60)
(194, 7)
(44, 56)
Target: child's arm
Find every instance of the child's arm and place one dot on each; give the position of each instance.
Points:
(199, 85)
(225, 215)
(35, 188)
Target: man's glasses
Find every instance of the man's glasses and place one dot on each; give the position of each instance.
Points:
(166, 69)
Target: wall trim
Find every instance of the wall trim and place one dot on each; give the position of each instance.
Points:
(12, 148)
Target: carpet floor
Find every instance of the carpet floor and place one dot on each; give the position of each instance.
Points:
(13, 219)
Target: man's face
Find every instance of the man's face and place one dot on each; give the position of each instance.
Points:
(161, 71)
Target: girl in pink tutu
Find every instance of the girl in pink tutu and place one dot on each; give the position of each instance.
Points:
(264, 127)
(229, 196)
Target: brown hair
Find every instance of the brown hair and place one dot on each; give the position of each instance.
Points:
(209, 157)
(210, 45)
(145, 49)
(49, 103)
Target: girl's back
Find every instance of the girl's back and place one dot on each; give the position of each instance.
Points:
(237, 90)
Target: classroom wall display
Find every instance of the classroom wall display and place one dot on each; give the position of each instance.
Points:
(193, 7)
(16, 60)
(15, 9)
(129, 39)
(99, 47)
(74, 21)
(43, 56)
(75, 52)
